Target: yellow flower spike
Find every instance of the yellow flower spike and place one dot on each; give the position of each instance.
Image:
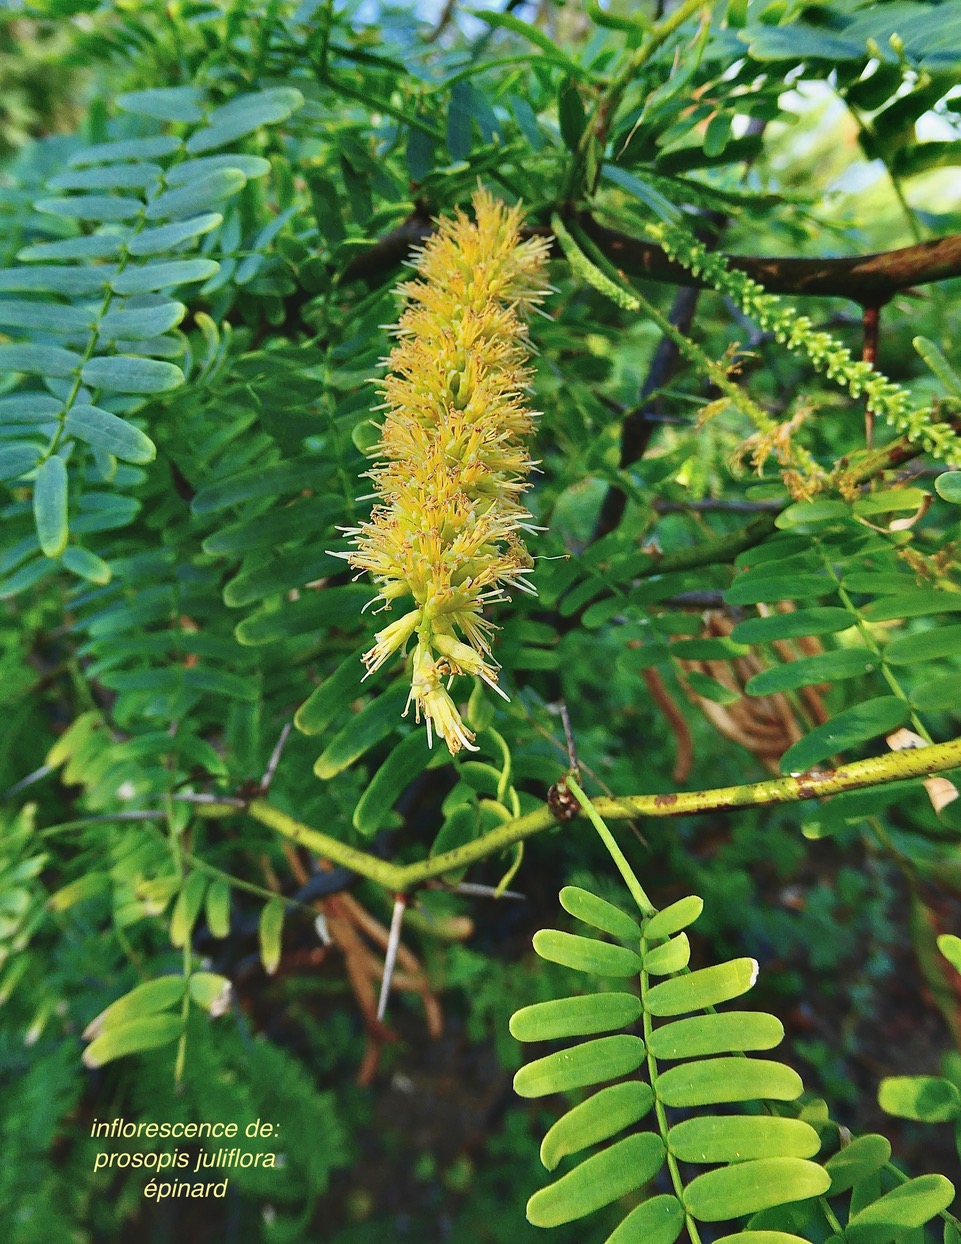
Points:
(453, 463)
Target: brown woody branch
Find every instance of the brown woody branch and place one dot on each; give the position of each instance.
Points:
(870, 280)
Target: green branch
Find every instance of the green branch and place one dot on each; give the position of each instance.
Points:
(877, 771)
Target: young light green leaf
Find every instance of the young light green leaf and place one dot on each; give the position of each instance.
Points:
(950, 946)
(218, 908)
(722, 1138)
(659, 1220)
(187, 908)
(671, 956)
(603, 1115)
(929, 1099)
(948, 487)
(701, 989)
(938, 364)
(575, 1017)
(599, 914)
(50, 506)
(859, 1160)
(724, 1033)
(132, 1038)
(593, 1062)
(211, 992)
(746, 1187)
(904, 1208)
(586, 954)
(146, 999)
(270, 929)
(601, 1179)
(674, 918)
(715, 1080)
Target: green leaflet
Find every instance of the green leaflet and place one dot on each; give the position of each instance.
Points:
(863, 1157)
(761, 1237)
(746, 1187)
(586, 954)
(848, 729)
(242, 116)
(909, 1206)
(716, 1138)
(724, 1033)
(136, 323)
(373, 723)
(166, 237)
(674, 918)
(627, 1165)
(197, 195)
(821, 620)
(269, 932)
(187, 907)
(672, 956)
(603, 1115)
(330, 698)
(165, 274)
(50, 506)
(912, 604)
(172, 103)
(110, 433)
(701, 989)
(599, 914)
(605, 1058)
(930, 1099)
(755, 587)
(824, 667)
(716, 1080)
(132, 1038)
(657, 1221)
(928, 645)
(146, 999)
(40, 360)
(409, 758)
(575, 1017)
(122, 373)
(218, 908)
(274, 479)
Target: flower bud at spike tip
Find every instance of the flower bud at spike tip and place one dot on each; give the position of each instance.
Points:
(452, 461)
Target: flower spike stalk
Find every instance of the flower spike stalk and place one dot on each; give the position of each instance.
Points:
(452, 462)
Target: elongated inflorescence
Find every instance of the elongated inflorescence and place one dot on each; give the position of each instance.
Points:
(452, 458)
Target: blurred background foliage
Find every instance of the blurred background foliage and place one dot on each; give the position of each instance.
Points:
(169, 602)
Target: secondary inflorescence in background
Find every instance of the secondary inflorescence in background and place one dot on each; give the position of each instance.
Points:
(452, 460)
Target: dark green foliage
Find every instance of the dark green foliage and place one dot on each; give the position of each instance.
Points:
(204, 209)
